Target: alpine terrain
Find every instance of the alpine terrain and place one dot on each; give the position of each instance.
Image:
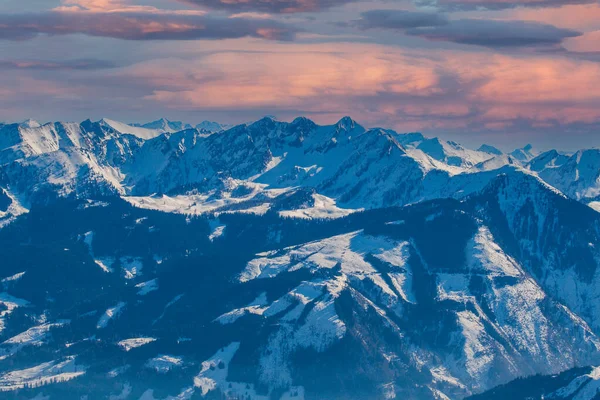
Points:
(290, 260)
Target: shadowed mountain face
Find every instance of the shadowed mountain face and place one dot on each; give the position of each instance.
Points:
(288, 260)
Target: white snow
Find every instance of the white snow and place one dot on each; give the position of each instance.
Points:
(323, 208)
(34, 336)
(214, 372)
(104, 263)
(217, 229)
(147, 287)
(132, 267)
(141, 133)
(14, 277)
(110, 314)
(15, 209)
(133, 343)
(10, 303)
(256, 307)
(42, 374)
(486, 255)
(584, 387)
(164, 363)
(595, 205)
(479, 356)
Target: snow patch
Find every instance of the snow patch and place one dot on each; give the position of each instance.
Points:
(164, 363)
(147, 287)
(110, 314)
(42, 374)
(134, 343)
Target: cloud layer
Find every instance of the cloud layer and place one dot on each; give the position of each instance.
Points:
(269, 6)
(454, 5)
(482, 32)
(139, 26)
(68, 65)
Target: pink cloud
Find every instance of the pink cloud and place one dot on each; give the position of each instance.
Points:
(580, 17)
(117, 6)
(380, 84)
(589, 42)
(130, 25)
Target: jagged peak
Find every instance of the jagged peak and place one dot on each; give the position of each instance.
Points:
(266, 120)
(30, 123)
(524, 154)
(212, 126)
(515, 173)
(303, 121)
(347, 123)
(489, 149)
(413, 135)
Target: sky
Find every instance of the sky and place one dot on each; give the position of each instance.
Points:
(503, 72)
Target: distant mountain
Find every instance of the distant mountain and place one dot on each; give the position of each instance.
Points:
(525, 154)
(486, 148)
(547, 160)
(577, 176)
(210, 126)
(140, 132)
(163, 125)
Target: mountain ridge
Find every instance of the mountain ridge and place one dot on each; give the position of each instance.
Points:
(280, 260)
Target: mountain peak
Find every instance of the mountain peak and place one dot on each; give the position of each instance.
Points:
(30, 123)
(302, 120)
(346, 123)
(264, 122)
(211, 126)
(524, 154)
(165, 125)
(486, 148)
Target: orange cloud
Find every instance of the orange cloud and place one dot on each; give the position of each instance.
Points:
(590, 42)
(102, 6)
(292, 78)
(580, 17)
(379, 84)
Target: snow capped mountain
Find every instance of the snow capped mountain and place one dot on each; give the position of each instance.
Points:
(280, 260)
(496, 162)
(546, 160)
(140, 132)
(524, 154)
(577, 176)
(352, 167)
(452, 153)
(486, 148)
(163, 125)
(212, 127)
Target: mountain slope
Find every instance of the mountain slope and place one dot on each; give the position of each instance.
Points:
(424, 301)
(277, 260)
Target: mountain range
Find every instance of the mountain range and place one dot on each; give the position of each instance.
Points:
(279, 260)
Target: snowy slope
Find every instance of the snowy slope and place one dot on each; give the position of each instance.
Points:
(524, 154)
(578, 176)
(438, 298)
(348, 165)
(140, 132)
(163, 125)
